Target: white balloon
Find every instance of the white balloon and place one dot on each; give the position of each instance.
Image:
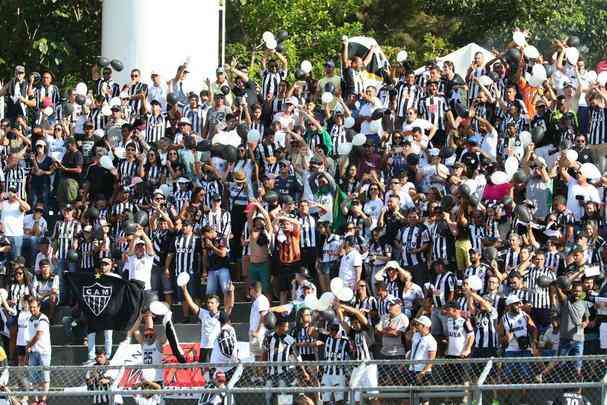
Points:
(402, 56)
(572, 55)
(81, 89)
(519, 38)
(590, 76)
(183, 279)
(602, 78)
(511, 165)
(48, 111)
(166, 189)
(359, 139)
(499, 177)
(590, 171)
(375, 126)
(306, 66)
(311, 301)
(531, 52)
(539, 71)
(525, 138)
(571, 155)
(106, 110)
(271, 43)
(326, 97)
(158, 308)
(349, 122)
(336, 284)
(344, 148)
(325, 301)
(106, 162)
(485, 80)
(475, 283)
(345, 294)
(253, 136)
(267, 36)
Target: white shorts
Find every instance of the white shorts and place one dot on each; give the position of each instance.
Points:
(330, 380)
(603, 335)
(364, 376)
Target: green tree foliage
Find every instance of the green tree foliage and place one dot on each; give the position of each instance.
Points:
(493, 20)
(62, 36)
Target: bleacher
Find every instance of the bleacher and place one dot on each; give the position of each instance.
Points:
(70, 350)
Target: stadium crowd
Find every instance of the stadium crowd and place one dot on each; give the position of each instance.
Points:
(429, 214)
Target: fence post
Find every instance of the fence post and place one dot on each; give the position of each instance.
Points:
(478, 392)
(604, 390)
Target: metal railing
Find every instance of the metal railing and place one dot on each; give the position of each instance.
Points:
(506, 380)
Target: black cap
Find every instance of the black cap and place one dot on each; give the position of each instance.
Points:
(216, 197)
(450, 305)
(155, 102)
(44, 241)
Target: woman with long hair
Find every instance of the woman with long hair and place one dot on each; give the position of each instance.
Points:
(153, 170)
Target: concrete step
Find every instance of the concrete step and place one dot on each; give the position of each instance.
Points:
(185, 332)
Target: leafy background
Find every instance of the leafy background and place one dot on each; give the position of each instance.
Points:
(65, 36)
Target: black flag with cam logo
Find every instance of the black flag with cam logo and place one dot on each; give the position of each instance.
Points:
(108, 302)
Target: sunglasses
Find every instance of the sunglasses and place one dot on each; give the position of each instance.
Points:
(19, 273)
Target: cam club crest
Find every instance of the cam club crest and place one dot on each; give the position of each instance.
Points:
(96, 297)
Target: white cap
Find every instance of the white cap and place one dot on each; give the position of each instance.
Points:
(512, 299)
(424, 320)
(185, 120)
(434, 152)
(40, 142)
(99, 132)
(183, 180)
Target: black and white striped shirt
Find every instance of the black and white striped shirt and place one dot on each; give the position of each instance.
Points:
(181, 198)
(127, 170)
(93, 383)
(408, 96)
(597, 133)
(538, 297)
(271, 81)
(308, 231)
(477, 234)
(444, 284)
(413, 237)
(280, 349)
(302, 335)
(156, 127)
(511, 260)
(368, 305)
(335, 350)
(361, 347)
(154, 173)
(65, 234)
(220, 221)
(338, 136)
(434, 109)
(97, 118)
(474, 88)
(15, 177)
(554, 261)
(87, 254)
(196, 116)
(187, 250)
(135, 89)
(479, 271)
(485, 329)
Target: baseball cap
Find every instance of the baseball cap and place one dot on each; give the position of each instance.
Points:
(220, 70)
(394, 301)
(185, 120)
(293, 101)
(19, 69)
(106, 260)
(88, 228)
(40, 142)
(474, 139)
(512, 299)
(424, 320)
(577, 249)
(330, 64)
(140, 242)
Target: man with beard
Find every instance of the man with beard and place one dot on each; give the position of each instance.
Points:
(414, 242)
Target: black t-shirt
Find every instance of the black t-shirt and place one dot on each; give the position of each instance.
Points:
(101, 181)
(571, 398)
(72, 160)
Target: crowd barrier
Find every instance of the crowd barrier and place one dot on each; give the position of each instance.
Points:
(468, 381)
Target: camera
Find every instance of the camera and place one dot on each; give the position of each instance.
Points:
(523, 342)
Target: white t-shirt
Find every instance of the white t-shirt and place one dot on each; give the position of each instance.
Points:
(589, 192)
(373, 209)
(209, 328)
(141, 269)
(28, 223)
(23, 321)
(421, 346)
(489, 144)
(12, 218)
(40, 324)
(347, 265)
(261, 304)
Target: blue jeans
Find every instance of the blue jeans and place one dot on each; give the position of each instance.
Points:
(107, 343)
(518, 372)
(572, 348)
(16, 245)
(218, 280)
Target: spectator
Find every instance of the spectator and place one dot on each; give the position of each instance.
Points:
(39, 348)
(13, 212)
